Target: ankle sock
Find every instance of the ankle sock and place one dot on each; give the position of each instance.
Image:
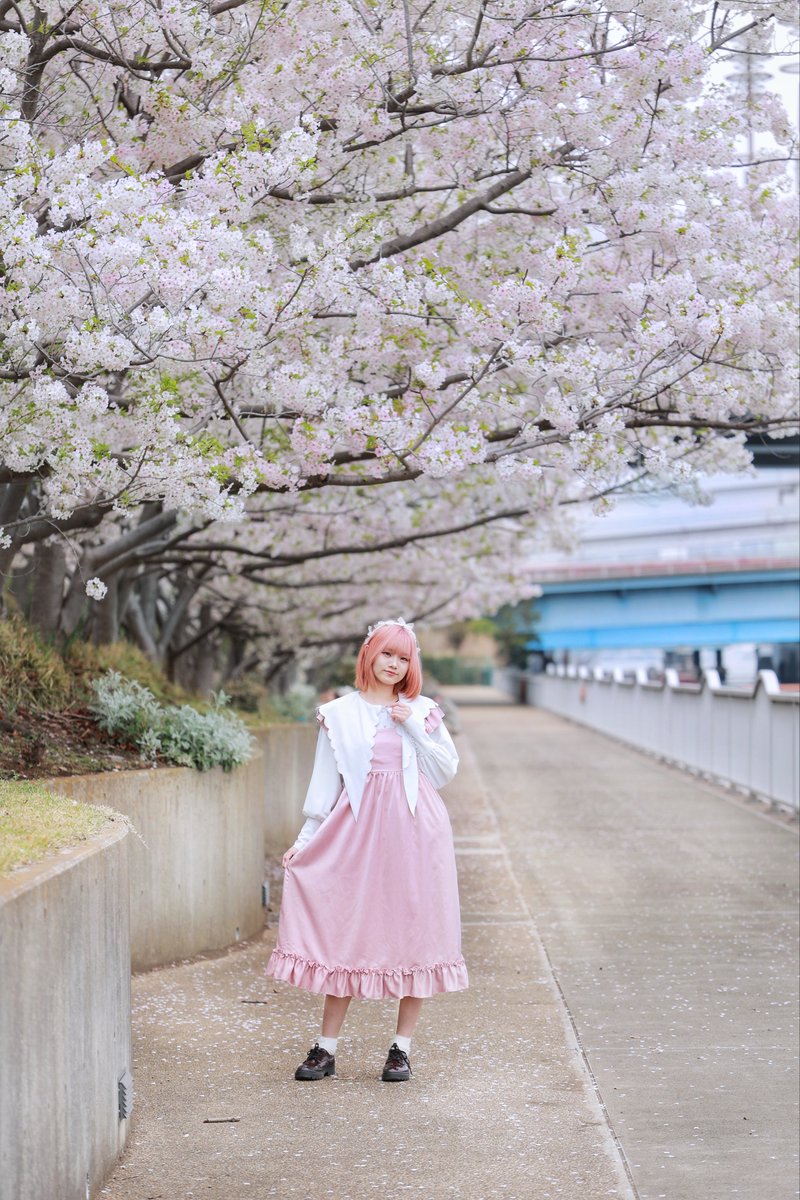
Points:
(402, 1043)
(328, 1044)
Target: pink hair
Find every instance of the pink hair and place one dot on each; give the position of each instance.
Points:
(400, 641)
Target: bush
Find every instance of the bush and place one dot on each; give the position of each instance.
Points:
(248, 694)
(122, 706)
(295, 705)
(204, 740)
(180, 734)
(454, 670)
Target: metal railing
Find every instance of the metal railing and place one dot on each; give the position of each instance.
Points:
(746, 738)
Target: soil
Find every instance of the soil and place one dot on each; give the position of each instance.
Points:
(37, 745)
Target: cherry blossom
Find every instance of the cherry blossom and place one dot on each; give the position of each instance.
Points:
(312, 312)
(96, 589)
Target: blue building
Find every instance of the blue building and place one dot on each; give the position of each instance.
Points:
(657, 582)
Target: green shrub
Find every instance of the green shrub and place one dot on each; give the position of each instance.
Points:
(203, 740)
(295, 705)
(181, 734)
(248, 694)
(124, 707)
(452, 669)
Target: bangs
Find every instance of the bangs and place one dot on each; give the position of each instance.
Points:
(401, 643)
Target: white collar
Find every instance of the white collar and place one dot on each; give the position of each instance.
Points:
(351, 722)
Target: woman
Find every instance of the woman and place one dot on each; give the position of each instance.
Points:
(370, 899)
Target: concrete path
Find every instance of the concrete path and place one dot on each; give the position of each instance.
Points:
(500, 1105)
(668, 976)
(669, 913)
(470, 695)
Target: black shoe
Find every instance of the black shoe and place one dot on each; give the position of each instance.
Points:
(318, 1064)
(397, 1066)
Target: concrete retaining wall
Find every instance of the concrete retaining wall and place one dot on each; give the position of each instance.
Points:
(746, 738)
(288, 757)
(64, 1019)
(196, 873)
(72, 928)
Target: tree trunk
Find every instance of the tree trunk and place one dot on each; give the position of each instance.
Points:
(12, 498)
(147, 594)
(47, 577)
(105, 615)
(176, 616)
(199, 665)
(75, 608)
(138, 628)
(203, 682)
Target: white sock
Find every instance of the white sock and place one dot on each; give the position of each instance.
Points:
(402, 1043)
(328, 1044)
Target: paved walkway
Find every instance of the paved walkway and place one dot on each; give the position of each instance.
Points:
(666, 917)
(669, 913)
(470, 695)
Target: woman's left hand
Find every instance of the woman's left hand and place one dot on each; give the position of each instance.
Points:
(400, 712)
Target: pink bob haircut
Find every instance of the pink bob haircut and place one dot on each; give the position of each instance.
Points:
(399, 640)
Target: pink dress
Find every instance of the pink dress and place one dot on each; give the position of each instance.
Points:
(370, 907)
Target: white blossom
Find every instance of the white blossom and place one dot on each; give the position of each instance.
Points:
(96, 589)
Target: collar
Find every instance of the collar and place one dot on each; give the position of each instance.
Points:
(351, 723)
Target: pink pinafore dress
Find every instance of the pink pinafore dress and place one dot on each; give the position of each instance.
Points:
(370, 906)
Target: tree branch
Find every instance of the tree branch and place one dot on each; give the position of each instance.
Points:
(445, 224)
(290, 560)
(88, 516)
(143, 532)
(118, 60)
(728, 37)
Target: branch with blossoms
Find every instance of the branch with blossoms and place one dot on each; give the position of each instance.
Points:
(471, 262)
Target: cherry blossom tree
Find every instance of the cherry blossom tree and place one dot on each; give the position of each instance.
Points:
(317, 311)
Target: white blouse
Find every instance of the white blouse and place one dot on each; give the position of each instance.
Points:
(344, 753)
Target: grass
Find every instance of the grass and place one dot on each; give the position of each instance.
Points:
(86, 662)
(32, 674)
(37, 677)
(34, 823)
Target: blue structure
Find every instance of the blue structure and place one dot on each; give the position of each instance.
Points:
(657, 582)
(669, 611)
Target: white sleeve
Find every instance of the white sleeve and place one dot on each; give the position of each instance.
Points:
(436, 754)
(305, 835)
(323, 790)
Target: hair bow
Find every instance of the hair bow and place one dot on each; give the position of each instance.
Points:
(398, 621)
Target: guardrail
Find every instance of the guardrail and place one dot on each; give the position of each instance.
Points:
(746, 738)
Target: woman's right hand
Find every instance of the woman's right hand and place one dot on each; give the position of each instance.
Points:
(289, 855)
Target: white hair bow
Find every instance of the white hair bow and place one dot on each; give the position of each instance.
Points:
(398, 621)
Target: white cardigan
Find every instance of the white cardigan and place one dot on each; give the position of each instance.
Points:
(344, 755)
